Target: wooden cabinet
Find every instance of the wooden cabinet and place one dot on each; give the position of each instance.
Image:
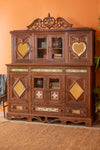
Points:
(50, 47)
(50, 78)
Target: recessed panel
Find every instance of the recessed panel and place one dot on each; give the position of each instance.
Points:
(23, 49)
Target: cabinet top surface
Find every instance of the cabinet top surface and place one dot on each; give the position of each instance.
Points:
(53, 30)
(48, 64)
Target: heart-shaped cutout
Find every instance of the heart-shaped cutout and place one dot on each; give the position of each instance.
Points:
(23, 49)
(79, 48)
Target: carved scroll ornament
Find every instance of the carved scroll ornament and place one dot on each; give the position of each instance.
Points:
(49, 23)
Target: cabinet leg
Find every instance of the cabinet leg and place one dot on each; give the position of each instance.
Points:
(89, 123)
(9, 117)
(63, 121)
(29, 119)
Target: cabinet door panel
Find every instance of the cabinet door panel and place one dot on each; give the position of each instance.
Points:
(38, 89)
(19, 88)
(54, 88)
(77, 90)
(80, 48)
(57, 47)
(49, 47)
(41, 47)
(23, 47)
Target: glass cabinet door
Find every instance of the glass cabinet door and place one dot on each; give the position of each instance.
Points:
(50, 47)
(38, 89)
(54, 88)
(57, 48)
(41, 47)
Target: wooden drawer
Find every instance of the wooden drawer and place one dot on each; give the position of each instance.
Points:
(53, 110)
(18, 108)
(70, 111)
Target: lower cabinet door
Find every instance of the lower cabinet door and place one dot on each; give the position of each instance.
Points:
(38, 89)
(77, 88)
(54, 90)
(19, 90)
(47, 89)
(78, 92)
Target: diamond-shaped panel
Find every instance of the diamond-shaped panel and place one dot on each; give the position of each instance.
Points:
(76, 91)
(19, 88)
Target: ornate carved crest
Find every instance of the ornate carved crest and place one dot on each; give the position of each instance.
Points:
(49, 23)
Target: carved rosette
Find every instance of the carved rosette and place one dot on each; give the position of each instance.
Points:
(49, 23)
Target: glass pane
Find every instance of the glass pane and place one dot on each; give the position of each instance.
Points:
(38, 82)
(57, 42)
(57, 51)
(42, 53)
(41, 47)
(54, 83)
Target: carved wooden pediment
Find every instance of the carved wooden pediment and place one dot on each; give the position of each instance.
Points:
(49, 23)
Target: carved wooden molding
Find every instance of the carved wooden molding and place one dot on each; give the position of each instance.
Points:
(49, 23)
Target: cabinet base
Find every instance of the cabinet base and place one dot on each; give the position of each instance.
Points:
(50, 119)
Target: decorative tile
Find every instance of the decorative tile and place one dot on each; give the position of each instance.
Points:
(19, 88)
(76, 91)
(23, 49)
(76, 70)
(79, 48)
(39, 94)
(54, 95)
(18, 70)
(74, 111)
(19, 107)
(47, 109)
(46, 70)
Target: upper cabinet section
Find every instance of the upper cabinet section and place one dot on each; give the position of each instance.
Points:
(53, 41)
(80, 44)
(49, 47)
(22, 46)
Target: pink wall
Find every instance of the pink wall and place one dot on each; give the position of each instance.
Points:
(17, 14)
